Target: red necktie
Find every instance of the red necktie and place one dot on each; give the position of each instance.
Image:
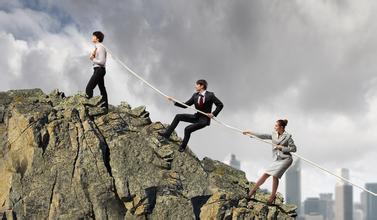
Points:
(201, 101)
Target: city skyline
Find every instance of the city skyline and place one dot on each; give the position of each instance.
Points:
(326, 201)
(356, 191)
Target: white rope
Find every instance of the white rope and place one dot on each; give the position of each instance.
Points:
(234, 128)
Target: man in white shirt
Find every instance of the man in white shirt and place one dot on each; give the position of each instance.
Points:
(98, 57)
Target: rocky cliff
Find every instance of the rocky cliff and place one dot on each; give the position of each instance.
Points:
(64, 158)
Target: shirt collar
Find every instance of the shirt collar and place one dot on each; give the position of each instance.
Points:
(277, 134)
(203, 93)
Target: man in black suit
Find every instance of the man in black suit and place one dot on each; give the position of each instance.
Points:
(203, 101)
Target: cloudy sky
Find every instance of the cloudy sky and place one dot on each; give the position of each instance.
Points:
(310, 61)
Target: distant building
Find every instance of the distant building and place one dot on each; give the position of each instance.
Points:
(363, 202)
(313, 217)
(293, 185)
(343, 198)
(311, 206)
(326, 206)
(233, 162)
(371, 202)
(358, 212)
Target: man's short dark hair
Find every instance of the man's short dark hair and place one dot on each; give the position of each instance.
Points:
(99, 35)
(202, 82)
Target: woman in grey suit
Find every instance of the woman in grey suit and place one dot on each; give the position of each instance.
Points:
(283, 145)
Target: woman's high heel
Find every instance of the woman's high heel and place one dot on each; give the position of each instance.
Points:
(251, 195)
(271, 201)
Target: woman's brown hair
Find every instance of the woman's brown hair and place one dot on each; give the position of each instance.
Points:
(282, 122)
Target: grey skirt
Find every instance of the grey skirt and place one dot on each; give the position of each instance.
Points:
(279, 166)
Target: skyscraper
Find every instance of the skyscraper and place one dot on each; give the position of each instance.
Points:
(312, 209)
(326, 206)
(233, 162)
(293, 185)
(358, 212)
(371, 202)
(343, 198)
(311, 206)
(363, 200)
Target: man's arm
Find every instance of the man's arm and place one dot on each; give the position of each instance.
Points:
(219, 105)
(189, 102)
(100, 59)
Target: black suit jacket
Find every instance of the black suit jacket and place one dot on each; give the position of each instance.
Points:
(210, 99)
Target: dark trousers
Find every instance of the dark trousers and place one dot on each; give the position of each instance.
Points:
(98, 79)
(198, 122)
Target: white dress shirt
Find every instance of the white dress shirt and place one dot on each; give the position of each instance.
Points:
(100, 56)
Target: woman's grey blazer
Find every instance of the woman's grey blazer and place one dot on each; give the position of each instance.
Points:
(284, 140)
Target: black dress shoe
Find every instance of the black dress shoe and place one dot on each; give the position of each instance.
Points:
(104, 105)
(163, 134)
(181, 149)
(105, 109)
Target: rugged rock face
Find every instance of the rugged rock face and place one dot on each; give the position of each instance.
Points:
(64, 158)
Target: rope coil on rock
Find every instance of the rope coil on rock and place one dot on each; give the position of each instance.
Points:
(234, 128)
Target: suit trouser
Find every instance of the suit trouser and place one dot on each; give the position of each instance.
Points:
(97, 79)
(198, 122)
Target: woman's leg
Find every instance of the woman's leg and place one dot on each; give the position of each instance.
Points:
(275, 184)
(260, 181)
